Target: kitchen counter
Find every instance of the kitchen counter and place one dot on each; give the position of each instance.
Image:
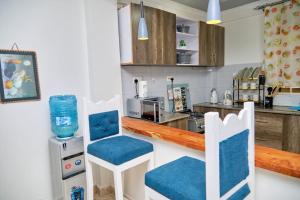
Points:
(276, 109)
(276, 127)
(169, 117)
(266, 158)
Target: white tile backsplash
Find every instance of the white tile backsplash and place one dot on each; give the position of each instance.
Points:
(200, 79)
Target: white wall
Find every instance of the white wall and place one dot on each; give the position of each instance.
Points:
(77, 50)
(101, 29)
(54, 30)
(243, 34)
(103, 48)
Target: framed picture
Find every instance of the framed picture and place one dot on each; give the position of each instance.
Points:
(19, 76)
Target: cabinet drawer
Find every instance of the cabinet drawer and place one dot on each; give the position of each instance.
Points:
(269, 125)
(268, 130)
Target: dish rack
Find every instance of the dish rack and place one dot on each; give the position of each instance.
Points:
(238, 90)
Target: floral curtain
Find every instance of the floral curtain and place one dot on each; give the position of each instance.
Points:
(282, 44)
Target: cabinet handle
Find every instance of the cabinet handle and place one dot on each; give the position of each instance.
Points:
(260, 121)
(261, 139)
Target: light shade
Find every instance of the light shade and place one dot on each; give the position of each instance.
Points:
(143, 31)
(213, 12)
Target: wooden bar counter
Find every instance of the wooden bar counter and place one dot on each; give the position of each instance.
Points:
(267, 158)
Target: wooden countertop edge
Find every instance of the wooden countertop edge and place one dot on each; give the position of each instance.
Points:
(282, 162)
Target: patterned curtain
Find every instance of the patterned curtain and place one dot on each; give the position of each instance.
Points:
(282, 44)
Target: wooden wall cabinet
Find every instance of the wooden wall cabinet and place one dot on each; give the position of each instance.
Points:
(211, 44)
(160, 49)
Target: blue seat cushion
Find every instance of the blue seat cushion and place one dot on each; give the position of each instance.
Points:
(182, 179)
(120, 149)
(234, 165)
(103, 124)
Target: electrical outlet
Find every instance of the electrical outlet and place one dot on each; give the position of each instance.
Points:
(135, 78)
(169, 78)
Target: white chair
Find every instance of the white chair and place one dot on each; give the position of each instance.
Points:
(228, 170)
(105, 145)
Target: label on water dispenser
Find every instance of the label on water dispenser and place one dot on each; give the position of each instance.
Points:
(63, 121)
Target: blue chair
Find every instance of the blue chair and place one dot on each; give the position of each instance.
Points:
(106, 146)
(226, 173)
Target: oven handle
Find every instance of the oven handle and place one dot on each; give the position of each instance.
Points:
(154, 109)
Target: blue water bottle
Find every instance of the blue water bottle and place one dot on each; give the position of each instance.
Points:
(63, 113)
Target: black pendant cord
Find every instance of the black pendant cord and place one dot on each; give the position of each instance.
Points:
(142, 10)
(136, 88)
(172, 86)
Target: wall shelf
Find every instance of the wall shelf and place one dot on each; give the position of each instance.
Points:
(191, 39)
(187, 35)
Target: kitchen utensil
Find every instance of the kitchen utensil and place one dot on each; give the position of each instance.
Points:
(253, 85)
(262, 79)
(186, 29)
(245, 97)
(246, 74)
(227, 98)
(242, 72)
(255, 97)
(256, 73)
(249, 73)
(184, 58)
(179, 28)
(245, 85)
(213, 96)
(269, 98)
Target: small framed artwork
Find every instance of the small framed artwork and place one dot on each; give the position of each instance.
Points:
(19, 76)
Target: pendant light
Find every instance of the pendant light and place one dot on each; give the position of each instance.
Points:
(213, 12)
(142, 31)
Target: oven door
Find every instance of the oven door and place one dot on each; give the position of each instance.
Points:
(150, 110)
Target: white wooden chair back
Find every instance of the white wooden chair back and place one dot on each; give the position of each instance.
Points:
(99, 107)
(217, 131)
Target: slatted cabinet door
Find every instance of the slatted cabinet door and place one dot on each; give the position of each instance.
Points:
(159, 49)
(211, 43)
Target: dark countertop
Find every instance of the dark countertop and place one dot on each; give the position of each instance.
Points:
(276, 109)
(169, 117)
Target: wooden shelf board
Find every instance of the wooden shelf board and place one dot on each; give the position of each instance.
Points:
(192, 50)
(187, 34)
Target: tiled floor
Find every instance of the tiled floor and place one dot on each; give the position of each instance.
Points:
(106, 197)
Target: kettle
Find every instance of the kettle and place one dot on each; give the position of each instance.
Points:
(213, 96)
(227, 98)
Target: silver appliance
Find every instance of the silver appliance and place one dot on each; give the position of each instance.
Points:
(150, 108)
(67, 169)
(196, 122)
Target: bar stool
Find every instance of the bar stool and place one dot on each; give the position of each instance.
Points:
(228, 169)
(106, 146)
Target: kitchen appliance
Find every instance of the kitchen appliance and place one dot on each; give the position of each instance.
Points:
(143, 89)
(213, 96)
(150, 108)
(196, 122)
(67, 168)
(227, 98)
